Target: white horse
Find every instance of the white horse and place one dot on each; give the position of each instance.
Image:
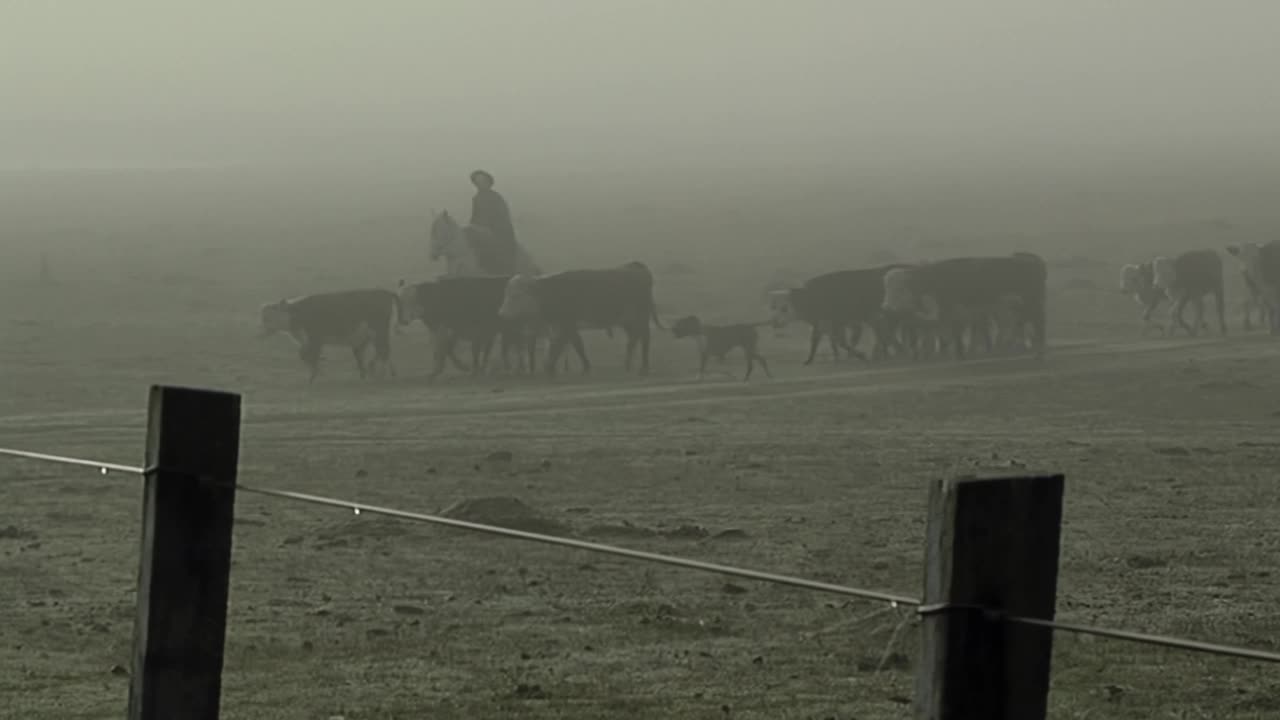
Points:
(453, 243)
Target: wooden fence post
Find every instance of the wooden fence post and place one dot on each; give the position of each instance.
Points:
(193, 445)
(991, 543)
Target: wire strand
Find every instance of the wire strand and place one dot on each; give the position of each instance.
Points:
(890, 598)
(103, 467)
(1150, 639)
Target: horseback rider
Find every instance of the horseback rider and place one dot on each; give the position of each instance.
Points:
(496, 253)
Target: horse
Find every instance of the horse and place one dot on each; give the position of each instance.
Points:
(454, 243)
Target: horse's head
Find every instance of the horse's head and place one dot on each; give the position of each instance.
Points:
(444, 233)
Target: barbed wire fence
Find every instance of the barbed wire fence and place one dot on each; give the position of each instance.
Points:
(191, 481)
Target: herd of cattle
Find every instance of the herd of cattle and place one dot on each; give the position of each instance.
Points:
(948, 307)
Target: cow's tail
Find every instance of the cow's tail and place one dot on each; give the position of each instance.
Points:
(653, 315)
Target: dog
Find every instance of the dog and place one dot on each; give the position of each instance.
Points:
(718, 340)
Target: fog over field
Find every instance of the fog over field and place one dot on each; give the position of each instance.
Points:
(617, 86)
(167, 168)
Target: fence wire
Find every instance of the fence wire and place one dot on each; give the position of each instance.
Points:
(102, 467)
(894, 600)
(716, 568)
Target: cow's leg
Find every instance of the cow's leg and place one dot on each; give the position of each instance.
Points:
(837, 340)
(1220, 306)
(554, 348)
(477, 349)
(879, 341)
(1177, 318)
(575, 340)
(1147, 322)
(479, 355)
(447, 341)
(382, 351)
(357, 350)
(957, 339)
(815, 337)
(504, 349)
(310, 355)
(1200, 324)
(645, 339)
(855, 337)
(764, 364)
(444, 349)
(632, 341)
(531, 353)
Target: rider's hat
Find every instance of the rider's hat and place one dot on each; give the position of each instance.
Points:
(477, 174)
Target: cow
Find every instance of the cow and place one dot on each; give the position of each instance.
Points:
(567, 301)
(1137, 280)
(1187, 277)
(926, 332)
(351, 318)
(457, 308)
(833, 303)
(1262, 284)
(953, 292)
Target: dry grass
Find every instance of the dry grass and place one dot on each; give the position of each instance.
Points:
(1168, 447)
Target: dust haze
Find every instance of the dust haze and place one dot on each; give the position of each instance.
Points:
(166, 169)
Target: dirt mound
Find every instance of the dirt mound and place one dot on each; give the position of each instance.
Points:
(16, 533)
(507, 512)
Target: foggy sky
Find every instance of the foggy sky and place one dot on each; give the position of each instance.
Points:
(507, 83)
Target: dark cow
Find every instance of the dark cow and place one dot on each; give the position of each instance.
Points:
(462, 308)
(352, 318)
(834, 304)
(997, 328)
(1189, 277)
(955, 291)
(567, 301)
(466, 308)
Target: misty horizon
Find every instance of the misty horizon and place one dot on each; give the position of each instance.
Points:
(579, 85)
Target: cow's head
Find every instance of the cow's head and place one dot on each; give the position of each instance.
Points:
(1164, 274)
(273, 318)
(782, 309)
(899, 297)
(409, 308)
(1132, 280)
(518, 301)
(1249, 255)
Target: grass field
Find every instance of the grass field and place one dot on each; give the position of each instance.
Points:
(1168, 446)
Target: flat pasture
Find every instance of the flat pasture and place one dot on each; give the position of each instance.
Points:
(1168, 446)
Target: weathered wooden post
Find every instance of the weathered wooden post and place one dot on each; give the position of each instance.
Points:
(193, 445)
(991, 551)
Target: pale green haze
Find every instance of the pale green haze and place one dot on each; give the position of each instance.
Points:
(523, 84)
